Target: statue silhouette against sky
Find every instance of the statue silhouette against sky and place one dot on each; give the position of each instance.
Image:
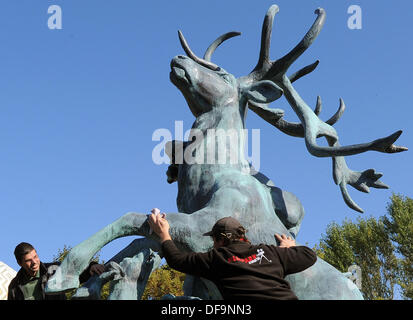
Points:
(209, 190)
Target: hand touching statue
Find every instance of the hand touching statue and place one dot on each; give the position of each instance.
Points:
(285, 242)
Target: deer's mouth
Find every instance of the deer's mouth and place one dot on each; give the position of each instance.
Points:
(178, 73)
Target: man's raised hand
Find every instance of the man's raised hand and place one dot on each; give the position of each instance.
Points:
(159, 224)
(285, 242)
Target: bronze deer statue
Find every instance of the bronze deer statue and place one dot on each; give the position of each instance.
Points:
(208, 190)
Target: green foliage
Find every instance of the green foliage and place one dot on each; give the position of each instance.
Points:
(399, 225)
(61, 254)
(383, 248)
(104, 293)
(365, 244)
(162, 281)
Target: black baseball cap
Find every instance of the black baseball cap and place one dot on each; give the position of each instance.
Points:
(225, 225)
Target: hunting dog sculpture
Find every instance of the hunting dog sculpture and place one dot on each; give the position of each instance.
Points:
(209, 190)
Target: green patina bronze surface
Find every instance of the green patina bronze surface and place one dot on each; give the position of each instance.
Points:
(209, 190)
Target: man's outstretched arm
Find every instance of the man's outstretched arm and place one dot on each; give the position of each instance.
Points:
(197, 264)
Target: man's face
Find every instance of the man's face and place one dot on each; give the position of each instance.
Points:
(30, 263)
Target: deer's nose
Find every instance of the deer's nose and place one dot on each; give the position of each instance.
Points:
(182, 57)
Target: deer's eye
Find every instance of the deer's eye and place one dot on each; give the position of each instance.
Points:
(226, 77)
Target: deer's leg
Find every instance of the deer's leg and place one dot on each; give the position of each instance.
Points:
(77, 260)
(137, 271)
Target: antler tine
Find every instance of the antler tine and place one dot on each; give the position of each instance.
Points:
(304, 71)
(281, 65)
(311, 126)
(338, 114)
(211, 49)
(295, 129)
(264, 63)
(347, 199)
(193, 56)
(318, 106)
(267, 69)
(266, 37)
(275, 117)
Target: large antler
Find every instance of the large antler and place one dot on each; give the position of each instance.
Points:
(206, 61)
(311, 126)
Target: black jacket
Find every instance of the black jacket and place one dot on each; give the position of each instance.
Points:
(244, 271)
(46, 271)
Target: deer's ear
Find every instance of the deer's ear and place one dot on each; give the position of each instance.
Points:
(263, 92)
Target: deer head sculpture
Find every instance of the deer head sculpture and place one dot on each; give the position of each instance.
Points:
(208, 87)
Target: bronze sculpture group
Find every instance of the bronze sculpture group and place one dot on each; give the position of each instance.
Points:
(208, 190)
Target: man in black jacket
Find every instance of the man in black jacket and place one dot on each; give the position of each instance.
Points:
(31, 279)
(239, 269)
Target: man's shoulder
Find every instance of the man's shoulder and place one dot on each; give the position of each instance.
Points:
(17, 279)
(14, 281)
(245, 247)
(268, 248)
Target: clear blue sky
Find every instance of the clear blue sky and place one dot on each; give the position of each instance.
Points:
(78, 107)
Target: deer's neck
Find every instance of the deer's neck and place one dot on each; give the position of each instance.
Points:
(220, 136)
(228, 117)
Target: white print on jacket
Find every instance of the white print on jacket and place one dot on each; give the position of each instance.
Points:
(251, 259)
(260, 255)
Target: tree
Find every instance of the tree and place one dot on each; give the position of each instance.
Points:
(365, 244)
(61, 254)
(399, 225)
(162, 281)
(383, 248)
